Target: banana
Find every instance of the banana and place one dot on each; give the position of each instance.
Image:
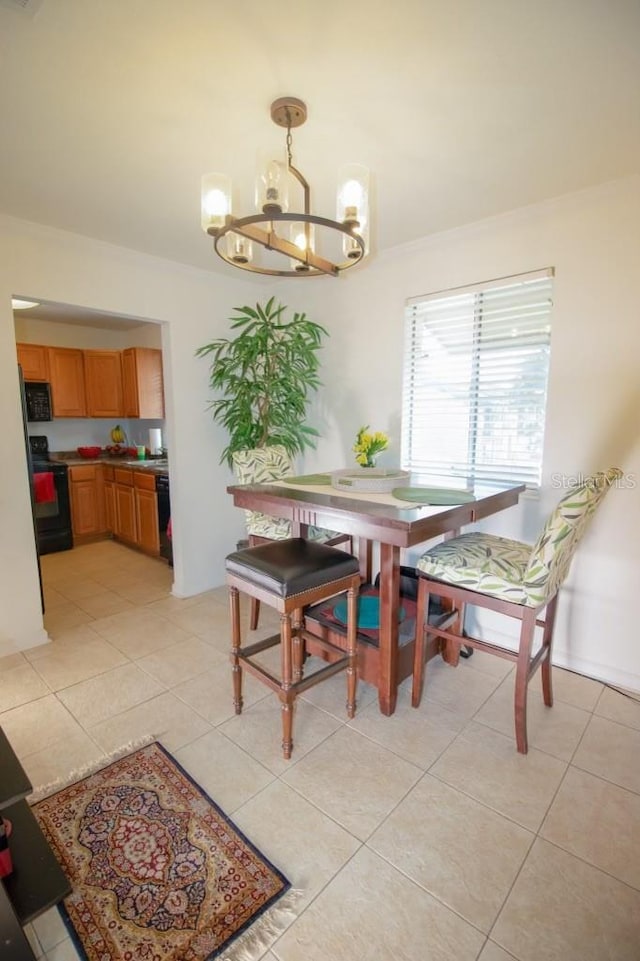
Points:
(118, 436)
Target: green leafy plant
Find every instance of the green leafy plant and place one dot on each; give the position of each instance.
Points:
(265, 375)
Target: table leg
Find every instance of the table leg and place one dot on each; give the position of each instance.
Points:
(365, 556)
(388, 632)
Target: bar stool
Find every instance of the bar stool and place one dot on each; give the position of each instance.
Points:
(288, 575)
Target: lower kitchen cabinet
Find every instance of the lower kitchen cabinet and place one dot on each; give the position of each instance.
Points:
(126, 528)
(109, 500)
(132, 507)
(86, 489)
(147, 513)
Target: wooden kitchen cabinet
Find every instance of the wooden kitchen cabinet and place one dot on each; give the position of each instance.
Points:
(86, 489)
(147, 512)
(109, 499)
(142, 383)
(126, 528)
(103, 382)
(34, 360)
(66, 375)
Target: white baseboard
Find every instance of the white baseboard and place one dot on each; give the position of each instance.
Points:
(16, 644)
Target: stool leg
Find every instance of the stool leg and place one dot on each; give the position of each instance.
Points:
(352, 651)
(236, 670)
(287, 696)
(298, 645)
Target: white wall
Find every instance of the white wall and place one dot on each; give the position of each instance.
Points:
(192, 306)
(593, 419)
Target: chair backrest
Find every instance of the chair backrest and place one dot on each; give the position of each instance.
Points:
(552, 553)
(259, 466)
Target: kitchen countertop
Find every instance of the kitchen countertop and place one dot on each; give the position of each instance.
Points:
(150, 466)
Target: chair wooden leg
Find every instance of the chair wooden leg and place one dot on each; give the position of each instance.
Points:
(352, 651)
(286, 694)
(422, 607)
(236, 670)
(254, 614)
(527, 629)
(547, 642)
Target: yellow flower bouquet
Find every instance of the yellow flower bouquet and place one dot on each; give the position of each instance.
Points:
(368, 446)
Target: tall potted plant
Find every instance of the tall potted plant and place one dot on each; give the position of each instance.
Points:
(264, 377)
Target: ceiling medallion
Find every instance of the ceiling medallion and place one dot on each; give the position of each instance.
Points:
(274, 228)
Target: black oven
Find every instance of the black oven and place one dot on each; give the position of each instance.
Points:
(51, 505)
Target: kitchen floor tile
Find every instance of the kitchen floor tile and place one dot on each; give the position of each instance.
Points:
(611, 751)
(418, 735)
(37, 725)
(372, 912)
(226, 772)
(259, 731)
(180, 662)
(138, 632)
(462, 852)
(462, 689)
(20, 684)
(109, 694)
(307, 846)
(67, 665)
(211, 692)
(163, 718)
(599, 822)
(485, 765)
(354, 781)
(556, 730)
(623, 708)
(562, 908)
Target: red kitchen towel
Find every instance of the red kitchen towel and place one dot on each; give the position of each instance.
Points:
(169, 529)
(44, 487)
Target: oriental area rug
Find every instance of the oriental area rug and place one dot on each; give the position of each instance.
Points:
(159, 873)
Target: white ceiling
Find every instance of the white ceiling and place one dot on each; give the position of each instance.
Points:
(111, 110)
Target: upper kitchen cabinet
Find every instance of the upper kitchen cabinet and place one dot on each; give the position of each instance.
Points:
(66, 376)
(142, 383)
(34, 361)
(103, 383)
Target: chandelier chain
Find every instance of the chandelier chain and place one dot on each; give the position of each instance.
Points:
(289, 141)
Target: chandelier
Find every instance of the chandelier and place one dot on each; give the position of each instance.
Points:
(285, 235)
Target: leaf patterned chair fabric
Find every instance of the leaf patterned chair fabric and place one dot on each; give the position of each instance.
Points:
(262, 465)
(512, 578)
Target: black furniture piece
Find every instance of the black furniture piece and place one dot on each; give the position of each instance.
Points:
(37, 881)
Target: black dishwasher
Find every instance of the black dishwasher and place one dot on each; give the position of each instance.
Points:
(164, 515)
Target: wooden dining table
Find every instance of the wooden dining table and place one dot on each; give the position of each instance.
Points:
(370, 519)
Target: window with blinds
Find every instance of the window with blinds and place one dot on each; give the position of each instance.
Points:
(476, 363)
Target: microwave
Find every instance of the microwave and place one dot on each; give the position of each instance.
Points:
(38, 401)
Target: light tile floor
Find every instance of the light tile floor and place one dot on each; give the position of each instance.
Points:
(420, 836)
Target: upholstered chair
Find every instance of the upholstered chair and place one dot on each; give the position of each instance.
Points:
(262, 465)
(512, 578)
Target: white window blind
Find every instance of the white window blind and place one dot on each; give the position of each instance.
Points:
(476, 361)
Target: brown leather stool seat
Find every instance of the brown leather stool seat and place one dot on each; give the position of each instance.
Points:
(288, 575)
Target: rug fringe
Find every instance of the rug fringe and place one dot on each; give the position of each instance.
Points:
(251, 945)
(45, 790)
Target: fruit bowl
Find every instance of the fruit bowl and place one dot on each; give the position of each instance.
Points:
(89, 452)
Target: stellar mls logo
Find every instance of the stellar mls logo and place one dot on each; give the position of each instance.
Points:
(568, 481)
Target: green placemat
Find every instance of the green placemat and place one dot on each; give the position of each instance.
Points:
(311, 479)
(432, 496)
